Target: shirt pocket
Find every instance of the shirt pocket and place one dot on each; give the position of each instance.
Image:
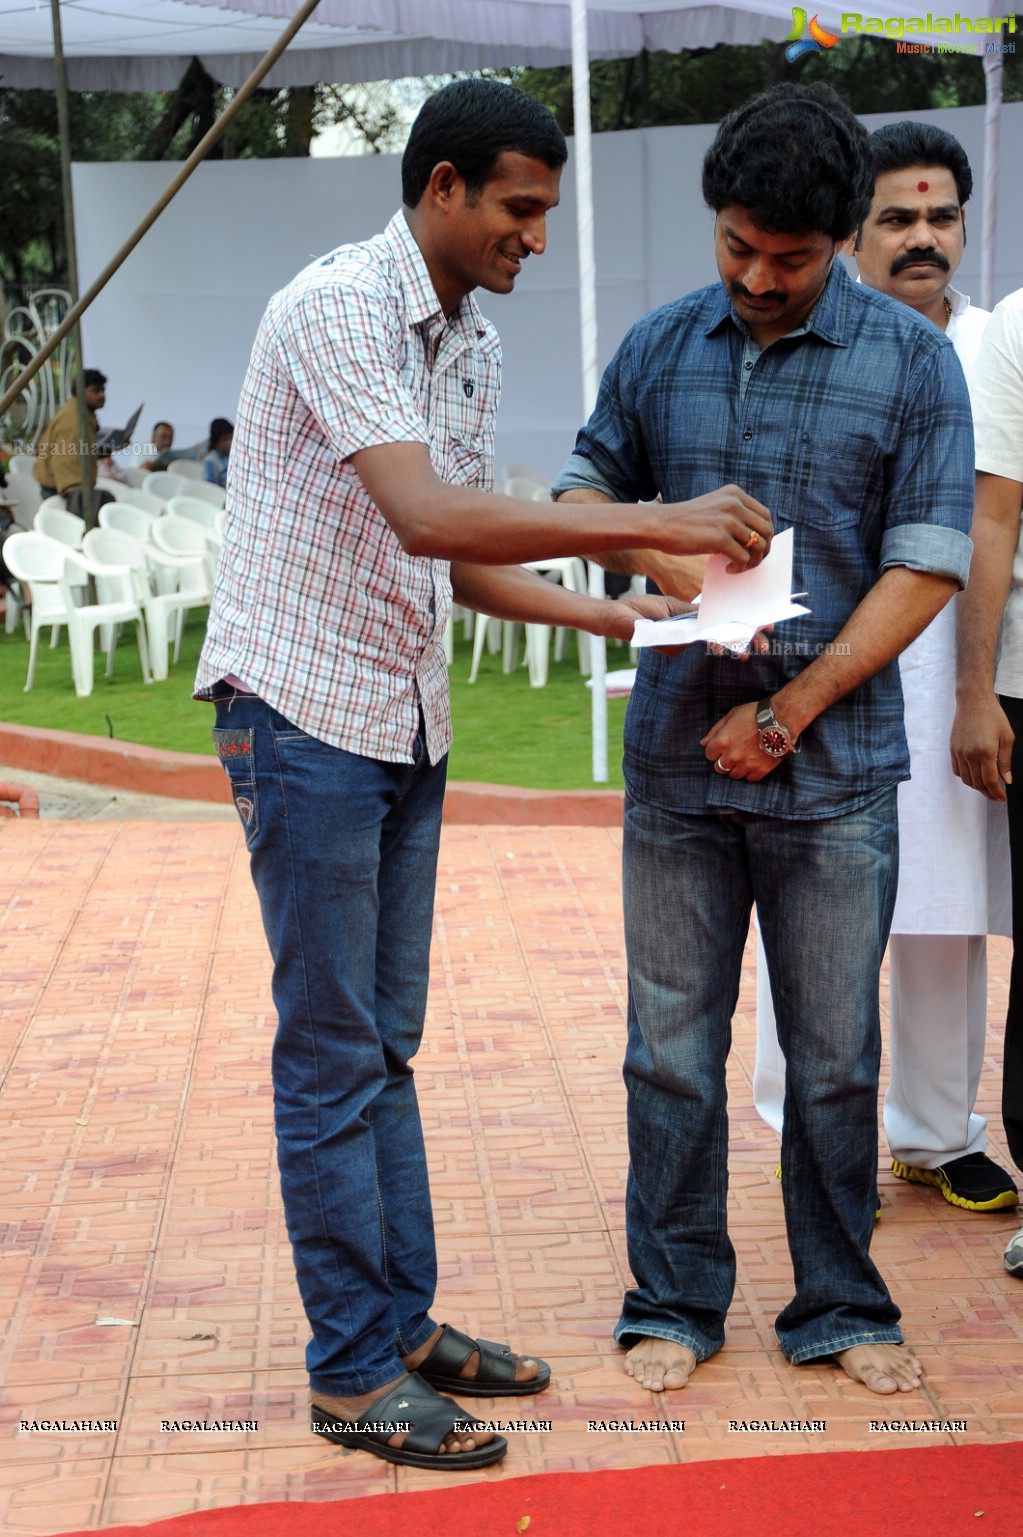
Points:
(465, 460)
(828, 484)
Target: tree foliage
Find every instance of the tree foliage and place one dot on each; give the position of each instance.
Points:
(703, 85)
(161, 126)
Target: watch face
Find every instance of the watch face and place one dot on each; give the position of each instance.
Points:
(774, 740)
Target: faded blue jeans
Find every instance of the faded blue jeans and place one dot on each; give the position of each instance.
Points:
(824, 892)
(343, 855)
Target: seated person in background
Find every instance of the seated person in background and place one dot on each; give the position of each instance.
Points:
(162, 439)
(215, 463)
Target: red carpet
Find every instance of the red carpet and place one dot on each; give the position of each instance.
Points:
(926, 1492)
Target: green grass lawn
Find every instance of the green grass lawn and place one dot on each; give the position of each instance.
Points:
(505, 731)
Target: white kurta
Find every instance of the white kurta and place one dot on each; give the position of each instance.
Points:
(953, 843)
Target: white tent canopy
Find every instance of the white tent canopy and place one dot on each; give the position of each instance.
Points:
(145, 45)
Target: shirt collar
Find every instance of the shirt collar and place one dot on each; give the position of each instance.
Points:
(829, 318)
(423, 304)
(960, 302)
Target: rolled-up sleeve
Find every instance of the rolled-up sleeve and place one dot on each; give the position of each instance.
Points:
(581, 474)
(924, 547)
(929, 478)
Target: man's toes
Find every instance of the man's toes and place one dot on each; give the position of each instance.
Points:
(660, 1365)
(882, 1368)
(878, 1381)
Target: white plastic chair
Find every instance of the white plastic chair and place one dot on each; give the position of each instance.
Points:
(529, 485)
(199, 512)
(497, 635)
(132, 494)
(191, 469)
(122, 604)
(23, 495)
(178, 537)
(134, 476)
(53, 501)
(126, 519)
(207, 492)
(21, 464)
(38, 565)
(164, 484)
(571, 572)
(57, 523)
(180, 547)
(16, 601)
(112, 547)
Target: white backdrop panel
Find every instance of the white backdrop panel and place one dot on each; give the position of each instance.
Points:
(175, 326)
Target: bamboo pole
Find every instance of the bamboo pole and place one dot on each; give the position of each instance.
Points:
(71, 250)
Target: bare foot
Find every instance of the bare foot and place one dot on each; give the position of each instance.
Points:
(525, 1367)
(882, 1368)
(660, 1364)
(353, 1408)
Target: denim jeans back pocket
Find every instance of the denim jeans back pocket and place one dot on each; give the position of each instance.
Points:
(236, 751)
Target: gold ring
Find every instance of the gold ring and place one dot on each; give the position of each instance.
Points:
(753, 540)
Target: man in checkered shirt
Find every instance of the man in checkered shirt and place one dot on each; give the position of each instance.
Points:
(359, 503)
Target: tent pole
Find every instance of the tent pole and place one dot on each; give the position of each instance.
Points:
(989, 204)
(71, 253)
(588, 330)
(199, 154)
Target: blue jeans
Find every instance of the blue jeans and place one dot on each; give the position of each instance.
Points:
(343, 855)
(824, 892)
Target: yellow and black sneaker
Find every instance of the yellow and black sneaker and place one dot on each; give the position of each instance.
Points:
(974, 1181)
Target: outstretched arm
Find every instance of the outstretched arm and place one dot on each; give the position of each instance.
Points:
(510, 592)
(461, 523)
(680, 576)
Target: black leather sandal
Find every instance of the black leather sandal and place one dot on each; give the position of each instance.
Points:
(495, 1377)
(432, 1417)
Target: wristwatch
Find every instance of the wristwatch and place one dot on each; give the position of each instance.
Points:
(775, 739)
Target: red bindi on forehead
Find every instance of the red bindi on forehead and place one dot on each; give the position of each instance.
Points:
(921, 186)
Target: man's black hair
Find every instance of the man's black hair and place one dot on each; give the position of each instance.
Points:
(168, 425)
(92, 379)
(471, 123)
(897, 146)
(219, 427)
(796, 158)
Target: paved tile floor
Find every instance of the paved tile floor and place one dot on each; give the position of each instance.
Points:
(144, 1269)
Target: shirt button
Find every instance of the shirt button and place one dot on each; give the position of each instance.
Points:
(747, 365)
(747, 435)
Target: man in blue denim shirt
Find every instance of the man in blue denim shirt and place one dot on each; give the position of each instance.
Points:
(774, 779)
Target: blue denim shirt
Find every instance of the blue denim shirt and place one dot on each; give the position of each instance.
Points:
(856, 432)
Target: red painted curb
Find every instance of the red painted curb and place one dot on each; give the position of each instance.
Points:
(192, 776)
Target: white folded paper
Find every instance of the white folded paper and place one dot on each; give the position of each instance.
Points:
(733, 605)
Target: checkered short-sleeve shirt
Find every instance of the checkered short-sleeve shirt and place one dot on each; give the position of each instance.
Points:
(317, 608)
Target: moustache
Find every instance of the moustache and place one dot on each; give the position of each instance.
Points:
(740, 292)
(929, 258)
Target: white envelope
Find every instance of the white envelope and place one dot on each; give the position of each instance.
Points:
(733, 605)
